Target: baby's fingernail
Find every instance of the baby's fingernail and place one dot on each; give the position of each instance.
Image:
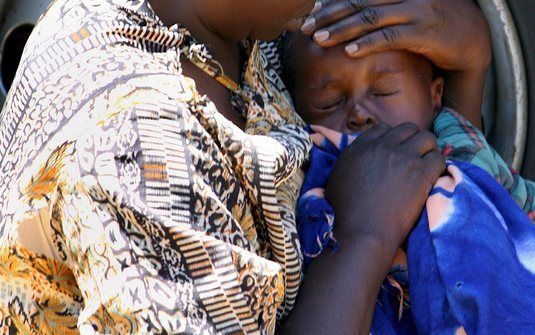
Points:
(317, 7)
(309, 24)
(321, 36)
(352, 48)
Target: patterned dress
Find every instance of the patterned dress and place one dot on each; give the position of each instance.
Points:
(159, 215)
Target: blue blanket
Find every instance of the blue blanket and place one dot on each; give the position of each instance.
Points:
(471, 257)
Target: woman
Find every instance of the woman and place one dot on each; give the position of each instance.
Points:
(171, 188)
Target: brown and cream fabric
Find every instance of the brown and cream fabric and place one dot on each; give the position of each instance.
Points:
(162, 216)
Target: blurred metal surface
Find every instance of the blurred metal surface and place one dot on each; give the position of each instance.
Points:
(509, 123)
(15, 17)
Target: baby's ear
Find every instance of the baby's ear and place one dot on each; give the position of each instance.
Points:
(437, 88)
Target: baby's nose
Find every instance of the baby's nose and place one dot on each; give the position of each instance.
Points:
(359, 120)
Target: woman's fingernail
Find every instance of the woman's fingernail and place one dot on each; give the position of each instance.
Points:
(352, 48)
(309, 24)
(321, 36)
(317, 7)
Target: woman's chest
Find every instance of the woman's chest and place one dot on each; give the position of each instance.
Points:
(219, 94)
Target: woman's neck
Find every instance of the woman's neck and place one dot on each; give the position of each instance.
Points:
(226, 51)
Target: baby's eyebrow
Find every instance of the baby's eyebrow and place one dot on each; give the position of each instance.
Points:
(385, 72)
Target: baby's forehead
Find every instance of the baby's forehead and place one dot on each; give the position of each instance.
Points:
(309, 54)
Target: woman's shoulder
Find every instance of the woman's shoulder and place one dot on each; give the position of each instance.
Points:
(86, 62)
(99, 37)
(80, 49)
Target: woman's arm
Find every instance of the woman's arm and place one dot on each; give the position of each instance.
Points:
(378, 189)
(339, 291)
(452, 34)
(463, 92)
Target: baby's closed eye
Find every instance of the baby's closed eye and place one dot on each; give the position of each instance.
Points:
(383, 88)
(329, 104)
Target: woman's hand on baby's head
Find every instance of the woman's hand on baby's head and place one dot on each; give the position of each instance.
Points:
(381, 182)
(442, 31)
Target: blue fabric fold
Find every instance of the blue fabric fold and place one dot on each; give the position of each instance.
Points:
(315, 216)
(477, 269)
(471, 260)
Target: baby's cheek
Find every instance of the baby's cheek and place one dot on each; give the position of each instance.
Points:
(429, 120)
(415, 110)
(394, 114)
(423, 118)
(425, 114)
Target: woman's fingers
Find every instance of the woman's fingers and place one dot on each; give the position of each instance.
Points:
(335, 10)
(388, 38)
(436, 29)
(380, 168)
(434, 165)
(422, 142)
(401, 133)
(357, 25)
(328, 13)
(407, 136)
(374, 133)
(317, 7)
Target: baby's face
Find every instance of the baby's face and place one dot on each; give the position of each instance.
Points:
(349, 95)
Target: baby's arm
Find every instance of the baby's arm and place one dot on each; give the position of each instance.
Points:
(460, 140)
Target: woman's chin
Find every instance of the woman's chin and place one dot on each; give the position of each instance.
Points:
(266, 35)
(272, 33)
(295, 24)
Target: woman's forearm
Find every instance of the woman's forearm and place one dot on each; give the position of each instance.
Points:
(340, 289)
(463, 92)
(464, 87)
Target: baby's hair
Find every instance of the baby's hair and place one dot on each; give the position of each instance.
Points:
(287, 49)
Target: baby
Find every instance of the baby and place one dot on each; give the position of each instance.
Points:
(348, 96)
(351, 95)
(342, 97)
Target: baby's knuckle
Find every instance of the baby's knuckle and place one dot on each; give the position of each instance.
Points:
(370, 16)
